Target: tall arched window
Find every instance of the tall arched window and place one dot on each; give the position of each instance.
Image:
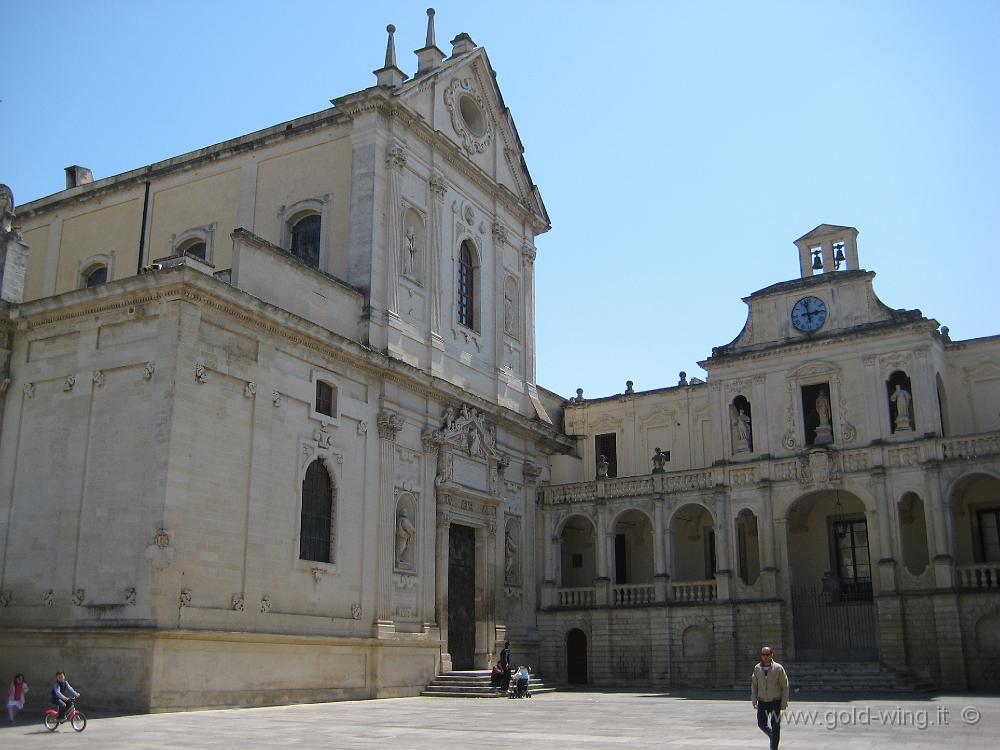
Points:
(316, 526)
(466, 287)
(305, 239)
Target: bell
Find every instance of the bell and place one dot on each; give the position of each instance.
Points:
(817, 262)
(839, 258)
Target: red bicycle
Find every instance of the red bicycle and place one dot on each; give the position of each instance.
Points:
(73, 716)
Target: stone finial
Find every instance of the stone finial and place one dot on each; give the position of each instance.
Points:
(429, 56)
(579, 395)
(461, 44)
(629, 390)
(682, 378)
(390, 76)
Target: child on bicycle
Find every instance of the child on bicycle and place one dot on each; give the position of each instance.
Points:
(63, 694)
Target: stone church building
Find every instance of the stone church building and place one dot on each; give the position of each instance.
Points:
(270, 432)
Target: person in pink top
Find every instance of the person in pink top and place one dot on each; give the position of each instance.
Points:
(15, 696)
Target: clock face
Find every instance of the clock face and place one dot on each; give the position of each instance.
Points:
(809, 314)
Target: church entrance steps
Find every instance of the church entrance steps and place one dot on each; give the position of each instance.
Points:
(851, 677)
(475, 684)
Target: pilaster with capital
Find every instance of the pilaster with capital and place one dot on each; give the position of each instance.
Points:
(528, 254)
(660, 577)
(395, 161)
(438, 188)
(938, 512)
(389, 425)
(723, 539)
(443, 541)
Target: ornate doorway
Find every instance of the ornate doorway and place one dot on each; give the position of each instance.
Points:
(462, 596)
(576, 657)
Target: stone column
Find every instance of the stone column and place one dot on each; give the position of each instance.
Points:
(430, 440)
(389, 425)
(668, 558)
(438, 188)
(938, 512)
(660, 577)
(878, 413)
(490, 593)
(724, 573)
(765, 538)
(395, 161)
(886, 562)
(441, 584)
(603, 563)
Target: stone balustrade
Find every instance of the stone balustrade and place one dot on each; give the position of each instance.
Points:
(979, 576)
(694, 591)
(633, 594)
(585, 596)
(785, 469)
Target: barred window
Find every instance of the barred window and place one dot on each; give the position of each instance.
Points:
(305, 239)
(315, 532)
(466, 287)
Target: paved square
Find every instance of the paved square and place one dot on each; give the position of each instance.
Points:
(561, 720)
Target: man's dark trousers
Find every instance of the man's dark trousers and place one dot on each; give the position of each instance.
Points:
(772, 708)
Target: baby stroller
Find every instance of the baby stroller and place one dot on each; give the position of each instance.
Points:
(519, 683)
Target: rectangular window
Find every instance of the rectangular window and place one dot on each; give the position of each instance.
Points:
(604, 445)
(850, 543)
(989, 534)
(577, 559)
(326, 402)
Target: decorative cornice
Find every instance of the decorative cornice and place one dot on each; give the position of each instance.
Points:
(184, 284)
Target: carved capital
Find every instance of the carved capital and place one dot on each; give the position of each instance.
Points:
(200, 374)
(69, 382)
(395, 157)
(98, 378)
(438, 186)
(499, 233)
(250, 389)
(265, 604)
(528, 254)
(431, 440)
(147, 370)
(389, 424)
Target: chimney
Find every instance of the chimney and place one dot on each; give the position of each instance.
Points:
(76, 176)
(461, 44)
(429, 57)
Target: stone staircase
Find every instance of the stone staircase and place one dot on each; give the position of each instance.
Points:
(851, 677)
(475, 684)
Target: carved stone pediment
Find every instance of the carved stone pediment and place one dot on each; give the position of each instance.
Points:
(467, 430)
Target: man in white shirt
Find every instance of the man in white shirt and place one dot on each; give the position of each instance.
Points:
(769, 693)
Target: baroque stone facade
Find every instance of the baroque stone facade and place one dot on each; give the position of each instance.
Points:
(313, 463)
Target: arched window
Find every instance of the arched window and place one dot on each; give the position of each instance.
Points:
(197, 248)
(96, 275)
(305, 239)
(316, 526)
(466, 287)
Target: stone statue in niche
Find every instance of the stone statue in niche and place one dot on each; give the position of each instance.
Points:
(508, 312)
(510, 552)
(741, 431)
(823, 409)
(410, 251)
(824, 433)
(405, 533)
(602, 468)
(902, 399)
(659, 459)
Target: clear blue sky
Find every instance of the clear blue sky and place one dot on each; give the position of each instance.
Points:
(680, 147)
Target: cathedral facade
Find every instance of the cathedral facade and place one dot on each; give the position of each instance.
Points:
(270, 432)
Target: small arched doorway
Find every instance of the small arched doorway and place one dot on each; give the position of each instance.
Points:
(576, 657)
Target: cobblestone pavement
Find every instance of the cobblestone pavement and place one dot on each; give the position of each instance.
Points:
(578, 720)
